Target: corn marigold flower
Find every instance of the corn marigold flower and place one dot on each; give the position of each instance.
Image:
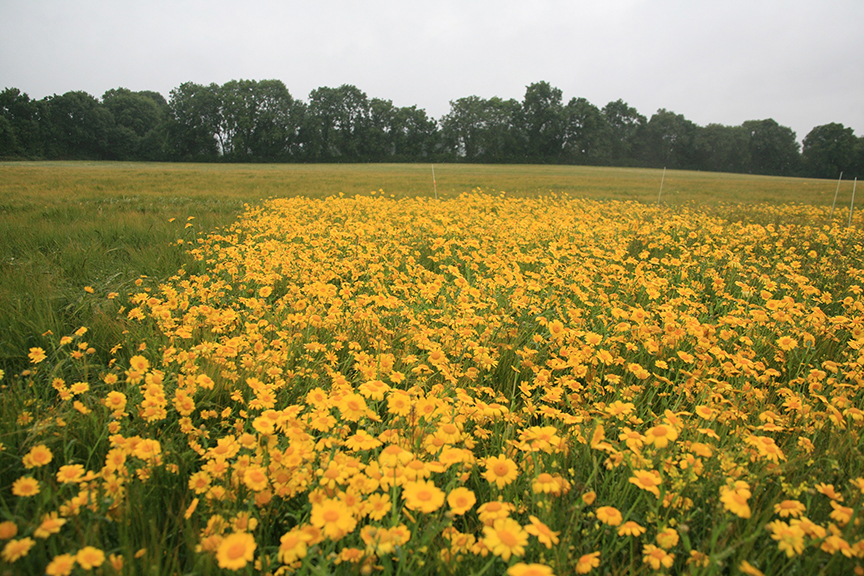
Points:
(790, 538)
(631, 528)
(15, 549)
(667, 538)
(788, 508)
(546, 483)
(661, 435)
(829, 491)
(333, 518)
(293, 546)
(647, 480)
(735, 498)
(236, 550)
(657, 557)
(422, 496)
(61, 565)
(787, 343)
(494, 510)
(587, 562)
(70, 473)
(51, 524)
(8, 529)
(36, 355)
(505, 538)
(500, 470)
(461, 500)
(255, 478)
(841, 514)
(523, 569)
(377, 506)
(37, 456)
(746, 568)
(90, 557)
(609, 515)
(543, 533)
(25, 487)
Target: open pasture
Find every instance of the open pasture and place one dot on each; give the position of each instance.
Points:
(563, 378)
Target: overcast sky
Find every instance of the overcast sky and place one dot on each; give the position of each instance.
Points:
(800, 62)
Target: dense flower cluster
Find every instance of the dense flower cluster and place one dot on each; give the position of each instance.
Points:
(546, 385)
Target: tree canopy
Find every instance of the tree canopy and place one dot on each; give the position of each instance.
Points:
(260, 121)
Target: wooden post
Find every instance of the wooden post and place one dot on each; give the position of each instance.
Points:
(662, 178)
(434, 185)
(831, 217)
(852, 206)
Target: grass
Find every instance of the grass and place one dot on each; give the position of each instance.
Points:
(65, 226)
(589, 346)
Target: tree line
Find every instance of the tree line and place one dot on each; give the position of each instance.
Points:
(259, 121)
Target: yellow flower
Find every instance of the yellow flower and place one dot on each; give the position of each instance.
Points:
(61, 565)
(236, 550)
(788, 508)
(15, 549)
(422, 496)
(293, 546)
(505, 538)
(667, 538)
(51, 524)
(841, 514)
(8, 529)
(25, 487)
(661, 435)
(500, 470)
(36, 355)
(657, 557)
(494, 510)
(609, 515)
(631, 528)
(735, 498)
(255, 478)
(790, 539)
(90, 557)
(543, 533)
(37, 456)
(546, 483)
(70, 473)
(587, 562)
(522, 569)
(647, 480)
(461, 500)
(786, 343)
(747, 568)
(333, 518)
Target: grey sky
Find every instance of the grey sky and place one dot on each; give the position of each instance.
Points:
(800, 62)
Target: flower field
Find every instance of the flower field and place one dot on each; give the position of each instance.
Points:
(476, 385)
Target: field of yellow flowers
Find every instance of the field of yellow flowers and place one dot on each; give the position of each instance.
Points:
(476, 385)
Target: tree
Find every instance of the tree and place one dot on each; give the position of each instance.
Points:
(193, 122)
(258, 120)
(587, 136)
(462, 127)
(480, 130)
(669, 140)
(727, 148)
(828, 150)
(139, 121)
(337, 124)
(624, 124)
(773, 148)
(543, 123)
(76, 126)
(21, 124)
(414, 135)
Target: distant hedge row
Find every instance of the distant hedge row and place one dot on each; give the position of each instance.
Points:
(259, 121)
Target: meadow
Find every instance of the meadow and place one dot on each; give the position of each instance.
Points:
(324, 369)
